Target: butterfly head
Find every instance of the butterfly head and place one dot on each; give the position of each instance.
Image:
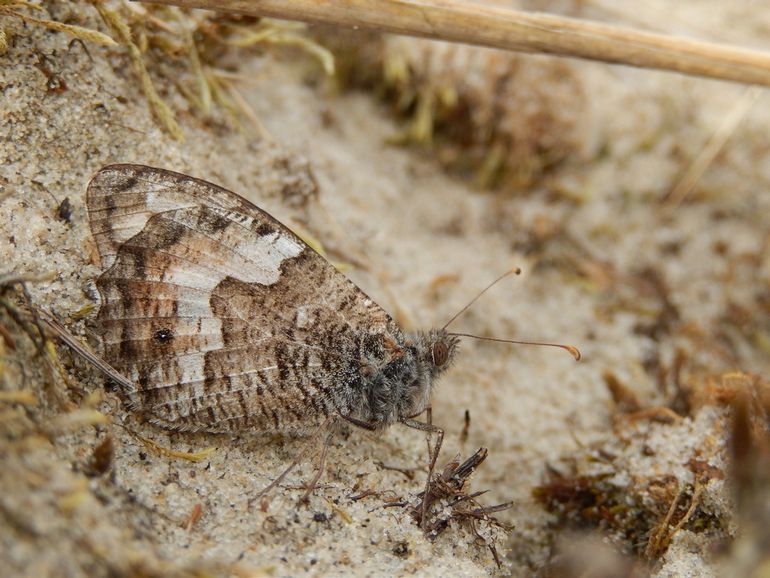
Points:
(433, 352)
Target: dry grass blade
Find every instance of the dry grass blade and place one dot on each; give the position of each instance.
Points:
(11, 9)
(158, 449)
(20, 397)
(274, 33)
(122, 32)
(711, 149)
(472, 23)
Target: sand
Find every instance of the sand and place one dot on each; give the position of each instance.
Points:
(422, 242)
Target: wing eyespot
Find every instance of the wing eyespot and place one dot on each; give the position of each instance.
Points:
(164, 335)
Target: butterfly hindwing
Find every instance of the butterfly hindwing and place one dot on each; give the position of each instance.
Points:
(222, 317)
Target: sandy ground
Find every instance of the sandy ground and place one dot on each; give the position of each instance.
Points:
(422, 243)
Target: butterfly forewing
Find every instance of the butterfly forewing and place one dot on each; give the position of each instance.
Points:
(222, 317)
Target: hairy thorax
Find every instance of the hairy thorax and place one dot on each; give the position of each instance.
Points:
(398, 372)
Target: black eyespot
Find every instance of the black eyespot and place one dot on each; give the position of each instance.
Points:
(163, 335)
(440, 353)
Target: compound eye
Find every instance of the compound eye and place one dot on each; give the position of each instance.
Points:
(440, 354)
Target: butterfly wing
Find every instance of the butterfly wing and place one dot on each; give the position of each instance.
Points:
(222, 317)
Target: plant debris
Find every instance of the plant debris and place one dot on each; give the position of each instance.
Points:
(15, 8)
(449, 501)
(165, 40)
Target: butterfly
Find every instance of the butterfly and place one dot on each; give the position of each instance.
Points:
(225, 320)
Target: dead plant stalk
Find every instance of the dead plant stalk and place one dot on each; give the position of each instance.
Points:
(471, 23)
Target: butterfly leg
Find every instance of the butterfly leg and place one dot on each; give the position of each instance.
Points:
(306, 448)
(433, 455)
(360, 423)
(321, 467)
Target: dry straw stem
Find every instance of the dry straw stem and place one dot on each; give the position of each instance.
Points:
(711, 149)
(122, 32)
(11, 8)
(471, 23)
(158, 449)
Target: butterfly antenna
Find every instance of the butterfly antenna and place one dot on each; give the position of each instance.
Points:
(513, 271)
(573, 351)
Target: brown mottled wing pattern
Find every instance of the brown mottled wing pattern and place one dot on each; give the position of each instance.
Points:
(221, 316)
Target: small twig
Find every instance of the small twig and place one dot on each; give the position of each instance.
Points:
(466, 427)
(391, 505)
(482, 512)
(467, 497)
(660, 539)
(483, 25)
(195, 515)
(365, 494)
(491, 546)
(450, 485)
(408, 472)
(694, 501)
(658, 536)
(660, 414)
(305, 486)
(470, 465)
